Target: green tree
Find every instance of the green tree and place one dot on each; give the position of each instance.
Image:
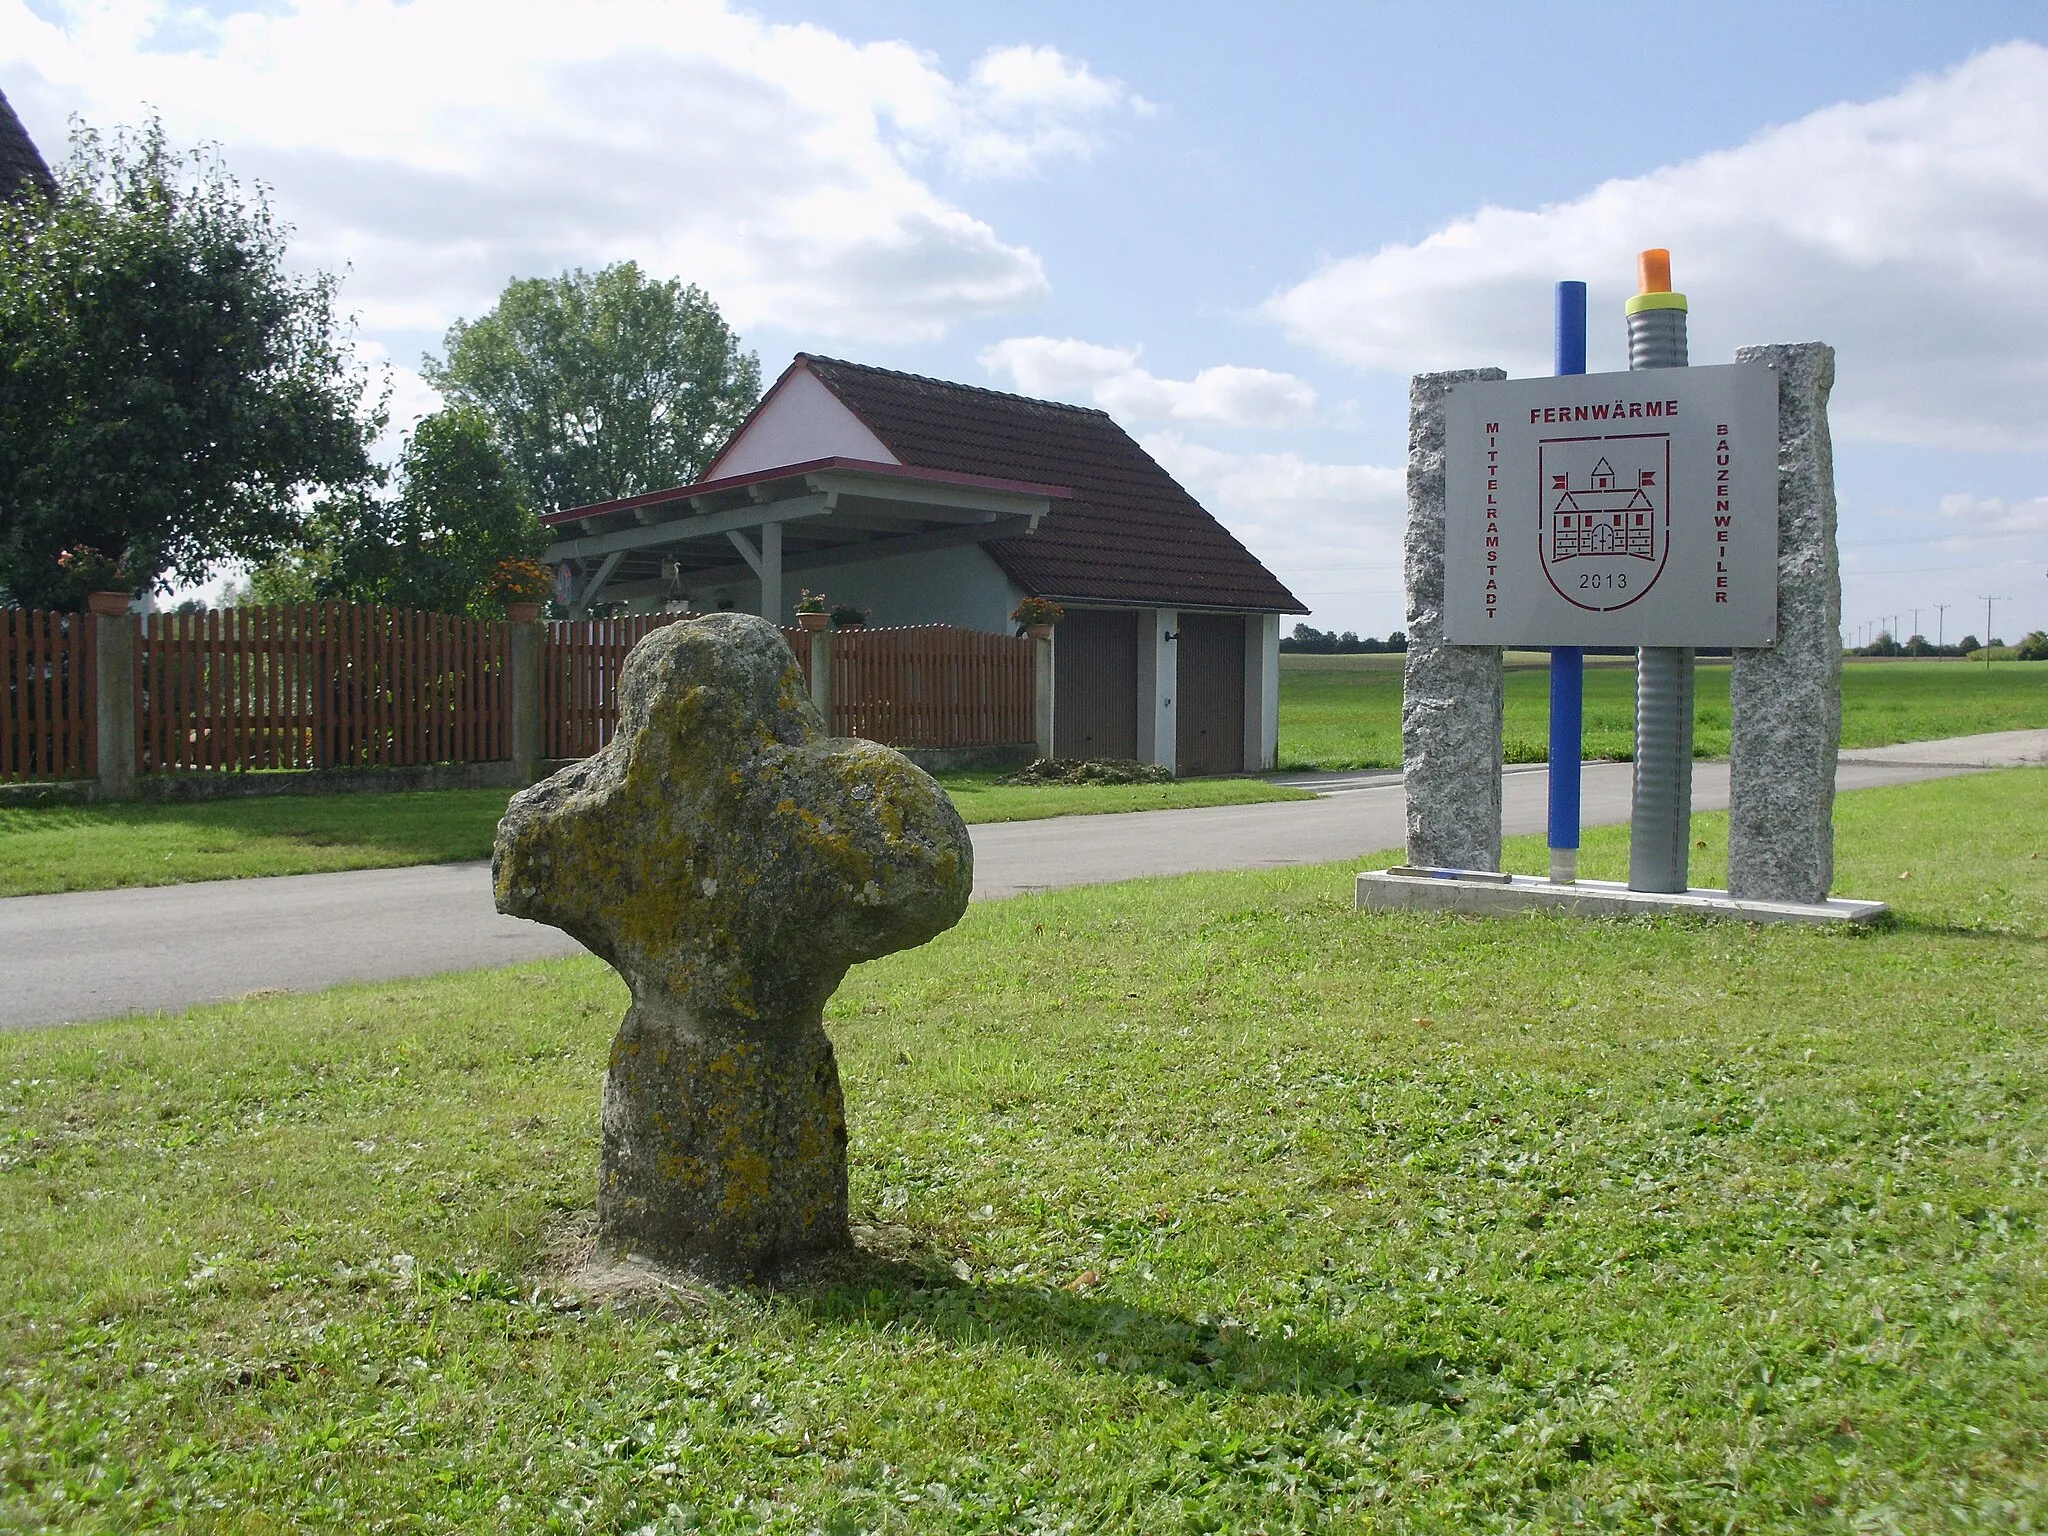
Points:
(170, 396)
(601, 385)
(458, 512)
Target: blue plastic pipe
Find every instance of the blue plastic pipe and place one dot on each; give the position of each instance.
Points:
(1567, 662)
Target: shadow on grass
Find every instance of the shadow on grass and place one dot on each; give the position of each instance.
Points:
(1895, 923)
(907, 1286)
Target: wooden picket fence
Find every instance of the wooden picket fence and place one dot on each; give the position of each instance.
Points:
(335, 685)
(323, 685)
(929, 686)
(581, 662)
(47, 711)
(934, 686)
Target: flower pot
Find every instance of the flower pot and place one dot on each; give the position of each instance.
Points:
(812, 620)
(1038, 631)
(109, 605)
(522, 613)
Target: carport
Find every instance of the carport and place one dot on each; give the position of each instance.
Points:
(698, 543)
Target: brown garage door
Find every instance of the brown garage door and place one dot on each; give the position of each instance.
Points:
(1095, 684)
(1210, 688)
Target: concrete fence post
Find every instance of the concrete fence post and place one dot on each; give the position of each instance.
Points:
(114, 705)
(523, 663)
(1043, 698)
(1451, 694)
(821, 675)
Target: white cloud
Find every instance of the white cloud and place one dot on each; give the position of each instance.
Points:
(1024, 106)
(439, 147)
(1992, 517)
(1331, 532)
(1042, 365)
(1911, 232)
(1225, 396)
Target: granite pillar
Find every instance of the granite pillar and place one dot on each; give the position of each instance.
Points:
(1786, 700)
(1451, 694)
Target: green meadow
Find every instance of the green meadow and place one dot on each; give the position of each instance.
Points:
(1206, 1204)
(1345, 711)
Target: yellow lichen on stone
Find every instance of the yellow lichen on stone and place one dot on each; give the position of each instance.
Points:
(731, 862)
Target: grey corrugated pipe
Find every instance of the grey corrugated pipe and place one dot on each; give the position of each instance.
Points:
(1660, 822)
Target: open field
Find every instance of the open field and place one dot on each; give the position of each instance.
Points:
(101, 847)
(1208, 1204)
(1345, 711)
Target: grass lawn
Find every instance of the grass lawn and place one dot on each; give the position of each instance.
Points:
(100, 847)
(980, 798)
(1345, 711)
(1215, 1206)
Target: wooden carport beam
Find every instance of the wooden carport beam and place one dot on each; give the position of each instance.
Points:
(766, 562)
(855, 554)
(703, 526)
(581, 605)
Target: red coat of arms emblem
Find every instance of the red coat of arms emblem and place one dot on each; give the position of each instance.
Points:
(1606, 509)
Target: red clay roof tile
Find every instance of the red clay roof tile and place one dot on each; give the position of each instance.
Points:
(1130, 534)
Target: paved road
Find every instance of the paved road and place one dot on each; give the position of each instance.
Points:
(94, 954)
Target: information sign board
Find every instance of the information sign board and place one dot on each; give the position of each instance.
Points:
(1613, 509)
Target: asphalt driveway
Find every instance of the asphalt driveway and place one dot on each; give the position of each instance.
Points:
(95, 954)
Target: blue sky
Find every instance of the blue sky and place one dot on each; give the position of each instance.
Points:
(1237, 227)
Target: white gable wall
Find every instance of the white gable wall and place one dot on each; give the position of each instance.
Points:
(801, 420)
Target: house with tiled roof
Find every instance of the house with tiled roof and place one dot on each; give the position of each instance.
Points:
(21, 164)
(929, 502)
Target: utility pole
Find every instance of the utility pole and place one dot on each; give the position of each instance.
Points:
(1988, 601)
(1916, 623)
(1941, 620)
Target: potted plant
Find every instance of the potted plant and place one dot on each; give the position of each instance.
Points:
(522, 585)
(1038, 615)
(810, 610)
(108, 590)
(846, 616)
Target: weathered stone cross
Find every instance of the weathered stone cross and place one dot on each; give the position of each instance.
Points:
(730, 862)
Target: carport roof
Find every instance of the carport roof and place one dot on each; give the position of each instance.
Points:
(1060, 496)
(1128, 533)
(808, 516)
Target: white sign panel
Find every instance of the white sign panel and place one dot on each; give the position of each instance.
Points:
(1614, 509)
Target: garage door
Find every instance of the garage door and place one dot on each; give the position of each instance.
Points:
(1210, 688)
(1095, 684)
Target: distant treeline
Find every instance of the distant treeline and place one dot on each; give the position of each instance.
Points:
(1325, 642)
(2032, 647)
(1919, 645)
(1310, 641)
